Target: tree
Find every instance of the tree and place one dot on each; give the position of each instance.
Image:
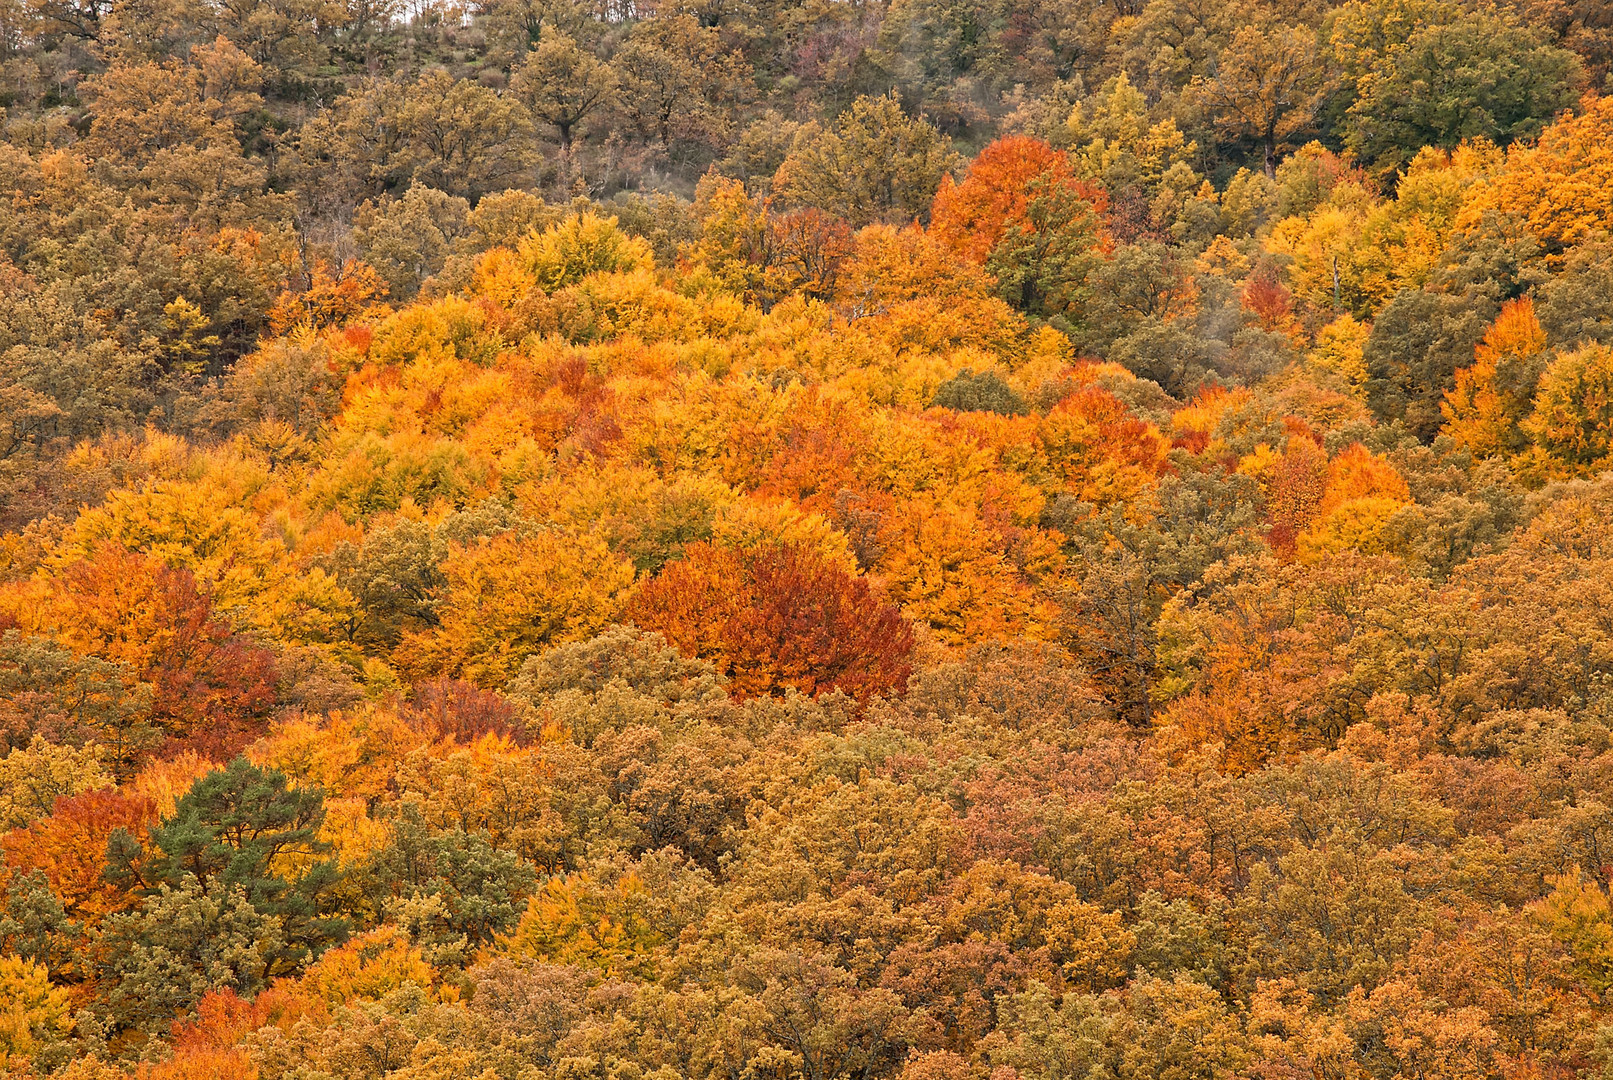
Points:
(32, 779)
(568, 251)
(1572, 422)
(406, 240)
(51, 692)
(675, 74)
(1560, 187)
(233, 839)
(1021, 213)
(1577, 304)
(1417, 344)
(1266, 87)
(514, 595)
(985, 392)
(462, 138)
(33, 1013)
(561, 84)
(1493, 397)
(209, 686)
(184, 942)
(773, 618)
(332, 297)
(875, 164)
(465, 890)
(1478, 76)
(70, 849)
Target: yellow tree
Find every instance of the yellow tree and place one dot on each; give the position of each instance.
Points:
(512, 596)
(1572, 424)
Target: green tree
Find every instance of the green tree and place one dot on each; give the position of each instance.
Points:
(184, 941)
(562, 84)
(1266, 87)
(233, 834)
(1418, 342)
(875, 164)
(1478, 76)
(985, 392)
(407, 240)
(463, 138)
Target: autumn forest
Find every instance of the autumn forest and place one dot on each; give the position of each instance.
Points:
(827, 540)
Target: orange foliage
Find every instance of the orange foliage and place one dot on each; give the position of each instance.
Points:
(972, 217)
(892, 265)
(1194, 424)
(1563, 185)
(331, 298)
(817, 450)
(1493, 396)
(778, 617)
(69, 848)
(210, 685)
(208, 1046)
(1294, 495)
(1268, 299)
(1103, 452)
(1356, 473)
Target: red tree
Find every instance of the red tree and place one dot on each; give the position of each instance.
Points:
(778, 617)
(69, 848)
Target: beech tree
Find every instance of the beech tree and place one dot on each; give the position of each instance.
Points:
(776, 618)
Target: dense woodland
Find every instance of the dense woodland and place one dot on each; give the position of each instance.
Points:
(949, 539)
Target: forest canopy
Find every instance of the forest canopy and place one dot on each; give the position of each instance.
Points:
(740, 540)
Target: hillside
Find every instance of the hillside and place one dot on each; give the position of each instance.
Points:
(1070, 587)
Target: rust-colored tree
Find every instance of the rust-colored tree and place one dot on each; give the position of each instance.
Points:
(778, 617)
(70, 849)
(211, 687)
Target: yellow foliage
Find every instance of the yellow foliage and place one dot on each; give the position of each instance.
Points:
(1363, 493)
(752, 522)
(632, 305)
(368, 967)
(32, 778)
(1260, 463)
(351, 755)
(1372, 249)
(1579, 916)
(1093, 945)
(33, 1013)
(1341, 347)
(165, 780)
(503, 277)
(1359, 525)
(570, 250)
(1194, 424)
(449, 328)
(198, 526)
(491, 786)
(510, 597)
(1572, 423)
(575, 920)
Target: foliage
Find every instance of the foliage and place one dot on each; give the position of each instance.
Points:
(1083, 549)
(780, 617)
